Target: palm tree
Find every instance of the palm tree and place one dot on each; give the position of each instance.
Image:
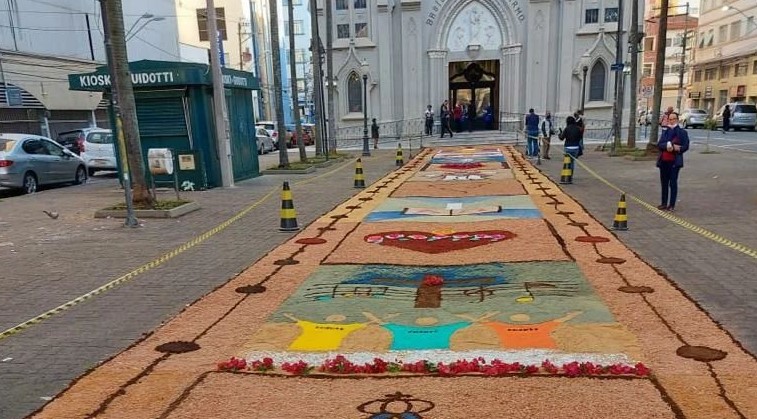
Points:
(293, 77)
(276, 61)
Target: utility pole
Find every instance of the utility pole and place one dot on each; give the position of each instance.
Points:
(277, 84)
(219, 99)
(633, 42)
(123, 92)
(618, 103)
(315, 56)
(118, 133)
(295, 92)
(659, 73)
(330, 74)
(682, 70)
(239, 35)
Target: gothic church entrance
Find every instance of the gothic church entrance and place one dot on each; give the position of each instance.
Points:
(475, 85)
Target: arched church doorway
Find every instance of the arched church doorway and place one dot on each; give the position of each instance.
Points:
(475, 86)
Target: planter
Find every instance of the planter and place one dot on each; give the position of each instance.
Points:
(171, 213)
(329, 162)
(310, 169)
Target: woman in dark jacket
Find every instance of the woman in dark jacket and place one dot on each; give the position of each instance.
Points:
(674, 141)
(572, 137)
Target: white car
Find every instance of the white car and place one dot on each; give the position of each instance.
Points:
(272, 128)
(94, 145)
(264, 140)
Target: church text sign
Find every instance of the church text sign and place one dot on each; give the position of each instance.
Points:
(437, 6)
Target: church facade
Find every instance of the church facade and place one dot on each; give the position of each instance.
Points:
(506, 55)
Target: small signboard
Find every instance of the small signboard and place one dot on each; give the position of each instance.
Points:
(13, 96)
(160, 160)
(617, 67)
(647, 91)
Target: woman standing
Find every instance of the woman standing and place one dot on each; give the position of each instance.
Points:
(726, 119)
(674, 141)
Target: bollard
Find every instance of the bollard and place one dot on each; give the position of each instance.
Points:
(621, 216)
(399, 161)
(359, 177)
(566, 175)
(288, 214)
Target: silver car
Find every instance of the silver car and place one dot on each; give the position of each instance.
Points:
(264, 141)
(30, 161)
(743, 116)
(693, 118)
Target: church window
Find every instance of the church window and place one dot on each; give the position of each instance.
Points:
(361, 30)
(597, 82)
(342, 5)
(592, 16)
(354, 93)
(611, 14)
(360, 4)
(343, 31)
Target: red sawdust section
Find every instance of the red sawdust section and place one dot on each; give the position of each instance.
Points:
(144, 383)
(490, 165)
(443, 189)
(445, 398)
(532, 241)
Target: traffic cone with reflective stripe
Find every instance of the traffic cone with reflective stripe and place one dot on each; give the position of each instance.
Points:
(359, 177)
(566, 175)
(399, 161)
(288, 214)
(621, 216)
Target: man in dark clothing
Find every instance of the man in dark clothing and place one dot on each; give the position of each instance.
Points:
(532, 131)
(444, 115)
(375, 133)
(726, 118)
(572, 137)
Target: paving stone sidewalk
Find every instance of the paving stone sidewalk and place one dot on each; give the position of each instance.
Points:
(717, 192)
(46, 262)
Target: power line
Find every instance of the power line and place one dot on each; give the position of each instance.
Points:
(44, 29)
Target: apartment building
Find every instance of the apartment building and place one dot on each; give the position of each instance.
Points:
(42, 42)
(681, 27)
(725, 64)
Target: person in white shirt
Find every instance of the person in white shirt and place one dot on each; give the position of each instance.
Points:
(546, 131)
(428, 116)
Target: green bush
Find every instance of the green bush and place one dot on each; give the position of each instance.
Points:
(710, 124)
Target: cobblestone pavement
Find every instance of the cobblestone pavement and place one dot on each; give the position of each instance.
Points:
(46, 262)
(717, 192)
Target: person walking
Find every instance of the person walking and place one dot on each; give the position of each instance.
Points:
(547, 130)
(532, 131)
(579, 117)
(726, 119)
(428, 117)
(444, 114)
(375, 133)
(457, 114)
(572, 137)
(673, 142)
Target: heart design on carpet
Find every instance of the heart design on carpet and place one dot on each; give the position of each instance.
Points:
(421, 241)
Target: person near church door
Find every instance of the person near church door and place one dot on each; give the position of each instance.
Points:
(470, 110)
(532, 131)
(546, 131)
(444, 115)
(457, 114)
(428, 117)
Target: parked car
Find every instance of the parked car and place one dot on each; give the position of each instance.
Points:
(264, 141)
(30, 161)
(308, 138)
(272, 128)
(743, 116)
(693, 118)
(94, 145)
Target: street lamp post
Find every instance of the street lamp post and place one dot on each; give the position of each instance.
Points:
(366, 149)
(131, 33)
(585, 70)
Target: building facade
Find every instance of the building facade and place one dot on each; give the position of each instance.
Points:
(42, 42)
(679, 53)
(725, 63)
(505, 55)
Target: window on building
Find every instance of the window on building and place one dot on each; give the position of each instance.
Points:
(735, 30)
(724, 70)
(649, 43)
(722, 98)
(740, 70)
(202, 23)
(675, 69)
(646, 71)
(698, 75)
(710, 37)
(297, 28)
(342, 5)
(701, 39)
(722, 34)
(300, 56)
(343, 31)
(597, 81)
(294, 3)
(592, 16)
(360, 4)
(754, 67)
(668, 42)
(361, 30)
(611, 14)
(711, 73)
(300, 85)
(354, 93)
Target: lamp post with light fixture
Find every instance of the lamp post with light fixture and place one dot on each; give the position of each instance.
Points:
(728, 7)
(585, 70)
(366, 149)
(150, 18)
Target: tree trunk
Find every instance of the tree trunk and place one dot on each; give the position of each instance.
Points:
(659, 72)
(295, 92)
(633, 39)
(125, 99)
(315, 54)
(330, 74)
(277, 86)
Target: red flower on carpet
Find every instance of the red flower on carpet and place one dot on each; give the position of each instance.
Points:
(433, 280)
